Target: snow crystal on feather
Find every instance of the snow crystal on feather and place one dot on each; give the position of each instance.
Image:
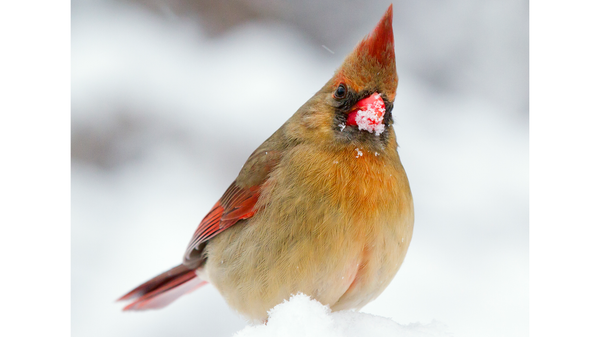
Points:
(371, 119)
(358, 153)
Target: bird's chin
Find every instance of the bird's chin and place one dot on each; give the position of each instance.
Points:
(352, 137)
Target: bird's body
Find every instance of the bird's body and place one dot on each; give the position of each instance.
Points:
(322, 207)
(342, 250)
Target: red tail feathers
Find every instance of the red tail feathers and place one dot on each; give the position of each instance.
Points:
(163, 289)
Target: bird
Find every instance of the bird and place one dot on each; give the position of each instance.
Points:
(323, 207)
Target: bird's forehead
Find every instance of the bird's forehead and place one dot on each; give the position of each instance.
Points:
(368, 77)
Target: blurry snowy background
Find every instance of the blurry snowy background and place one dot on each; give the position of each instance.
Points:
(170, 97)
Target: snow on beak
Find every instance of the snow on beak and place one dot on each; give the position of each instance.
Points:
(367, 114)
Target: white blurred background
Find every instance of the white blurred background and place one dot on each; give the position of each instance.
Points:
(170, 97)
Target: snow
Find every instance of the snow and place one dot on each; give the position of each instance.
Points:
(358, 152)
(371, 117)
(302, 316)
(329, 50)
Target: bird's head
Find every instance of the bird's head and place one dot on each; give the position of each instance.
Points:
(354, 107)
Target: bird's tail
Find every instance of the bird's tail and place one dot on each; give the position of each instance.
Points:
(163, 289)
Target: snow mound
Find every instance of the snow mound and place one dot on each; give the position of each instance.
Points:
(302, 316)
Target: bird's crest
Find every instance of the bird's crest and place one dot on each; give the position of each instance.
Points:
(373, 61)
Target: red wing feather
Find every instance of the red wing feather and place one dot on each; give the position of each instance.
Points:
(236, 204)
(163, 289)
(241, 204)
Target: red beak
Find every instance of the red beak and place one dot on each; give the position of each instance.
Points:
(368, 114)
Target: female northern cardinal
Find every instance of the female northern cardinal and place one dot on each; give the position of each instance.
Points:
(322, 207)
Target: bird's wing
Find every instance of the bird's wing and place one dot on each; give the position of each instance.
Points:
(237, 203)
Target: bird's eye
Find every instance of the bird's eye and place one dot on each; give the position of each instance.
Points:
(341, 91)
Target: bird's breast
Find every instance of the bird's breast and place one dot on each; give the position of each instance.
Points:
(335, 226)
